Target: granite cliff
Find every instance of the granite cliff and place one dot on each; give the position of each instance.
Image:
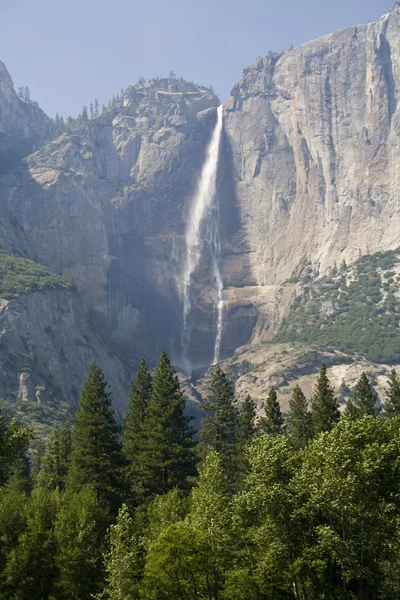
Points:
(308, 175)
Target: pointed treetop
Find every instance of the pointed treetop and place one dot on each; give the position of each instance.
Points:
(298, 421)
(273, 421)
(392, 399)
(324, 406)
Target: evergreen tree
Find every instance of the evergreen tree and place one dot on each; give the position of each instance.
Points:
(273, 421)
(96, 108)
(364, 400)
(167, 460)
(70, 123)
(247, 421)
(298, 420)
(55, 462)
(104, 109)
(79, 531)
(392, 400)
(27, 94)
(14, 442)
(123, 560)
(220, 427)
(324, 406)
(134, 432)
(40, 452)
(21, 93)
(96, 457)
(13, 501)
(84, 115)
(91, 110)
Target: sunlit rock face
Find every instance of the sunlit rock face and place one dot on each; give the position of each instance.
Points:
(313, 142)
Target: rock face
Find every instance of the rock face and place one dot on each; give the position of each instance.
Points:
(107, 204)
(312, 137)
(46, 348)
(22, 124)
(308, 174)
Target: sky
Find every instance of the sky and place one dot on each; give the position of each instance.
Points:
(69, 52)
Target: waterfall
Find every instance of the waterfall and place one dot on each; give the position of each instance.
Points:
(204, 215)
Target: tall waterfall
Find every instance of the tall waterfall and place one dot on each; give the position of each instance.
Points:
(203, 229)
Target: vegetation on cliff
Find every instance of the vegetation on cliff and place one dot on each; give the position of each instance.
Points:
(20, 276)
(355, 310)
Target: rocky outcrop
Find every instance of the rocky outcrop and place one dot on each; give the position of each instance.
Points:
(46, 347)
(23, 126)
(312, 139)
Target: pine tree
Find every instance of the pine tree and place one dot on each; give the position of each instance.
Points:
(298, 420)
(220, 428)
(324, 406)
(21, 93)
(27, 94)
(247, 421)
(84, 115)
(392, 399)
(14, 442)
(91, 111)
(123, 560)
(55, 462)
(134, 433)
(273, 421)
(96, 457)
(167, 460)
(364, 400)
(96, 108)
(104, 109)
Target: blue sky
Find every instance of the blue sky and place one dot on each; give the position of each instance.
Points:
(70, 52)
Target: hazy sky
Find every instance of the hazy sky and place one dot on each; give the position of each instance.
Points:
(69, 52)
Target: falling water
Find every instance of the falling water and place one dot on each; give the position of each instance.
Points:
(203, 209)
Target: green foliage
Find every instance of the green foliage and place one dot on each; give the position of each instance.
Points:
(189, 557)
(134, 430)
(31, 570)
(79, 532)
(273, 422)
(220, 426)
(123, 560)
(14, 442)
(345, 488)
(392, 400)
(247, 421)
(21, 276)
(96, 457)
(364, 401)
(298, 421)
(54, 463)
(356, 311)
(167, 460)
(324, 405)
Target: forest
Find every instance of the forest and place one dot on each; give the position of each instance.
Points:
(303, 506)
